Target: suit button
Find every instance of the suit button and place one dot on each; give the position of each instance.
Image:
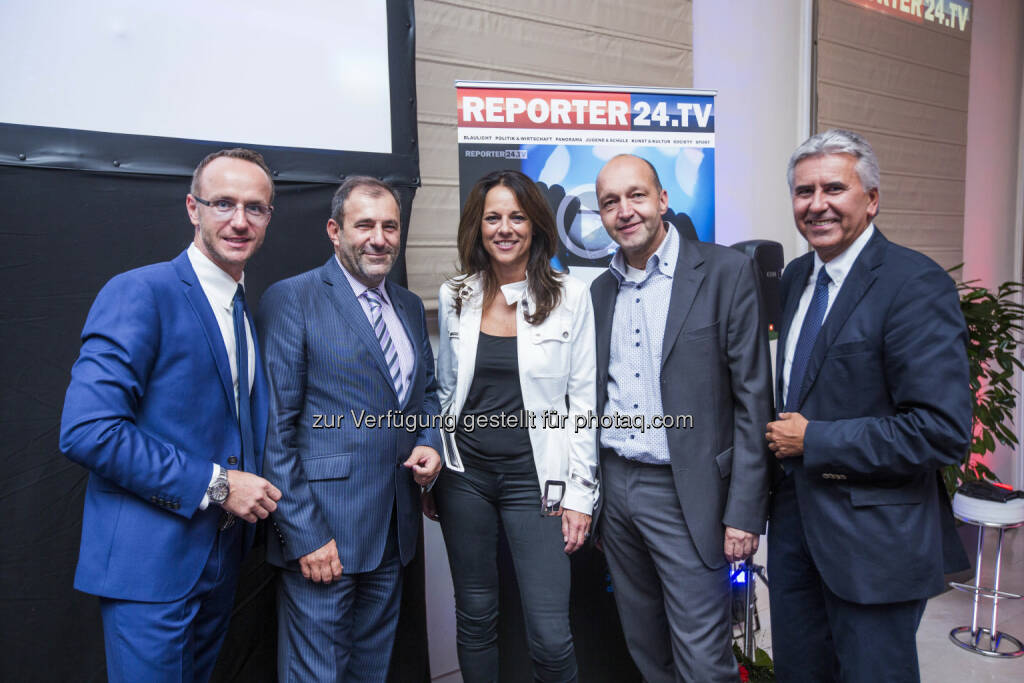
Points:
(152, 499)
(232, 460)
(565, 335)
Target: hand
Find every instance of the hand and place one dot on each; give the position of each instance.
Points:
(575, 529)
(739, 544)
(323, 564)
(249, 496)
(786, 435)
(425, 463)
(428, 506)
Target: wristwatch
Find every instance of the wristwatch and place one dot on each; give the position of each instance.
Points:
(218, 491)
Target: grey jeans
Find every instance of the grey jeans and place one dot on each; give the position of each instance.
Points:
(470, 505)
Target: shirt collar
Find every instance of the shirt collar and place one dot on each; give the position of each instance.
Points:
(839, 267)
(513, 292)
(219, 287)
(358, 288)
(664, 259)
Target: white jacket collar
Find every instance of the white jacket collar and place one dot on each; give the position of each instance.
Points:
(514, 292)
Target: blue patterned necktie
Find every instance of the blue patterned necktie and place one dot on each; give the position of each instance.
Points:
(242, 365)
(808, 334)
(384, 338)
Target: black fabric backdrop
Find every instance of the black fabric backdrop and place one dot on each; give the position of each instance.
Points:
(76, 208)
(63, 234)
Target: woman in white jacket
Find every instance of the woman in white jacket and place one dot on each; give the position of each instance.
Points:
(516, 370)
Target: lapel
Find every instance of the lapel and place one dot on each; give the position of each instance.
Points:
(801, 271)
(469, 338)
(344, 299)
(603, 295)
(201, 306)
(686, 283)
(403, 317)
(859, 280)
(258, 398)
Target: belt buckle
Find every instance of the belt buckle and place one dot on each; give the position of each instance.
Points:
(227, 520)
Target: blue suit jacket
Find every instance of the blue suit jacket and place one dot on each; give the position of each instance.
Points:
(887, 395)
(149, 408)
(325, 367)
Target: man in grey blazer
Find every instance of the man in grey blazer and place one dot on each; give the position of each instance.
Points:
(680, 336)
(350, 440)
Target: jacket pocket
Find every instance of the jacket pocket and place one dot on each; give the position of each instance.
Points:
(848, 348)
(701, 332)
(724, 460)
(864, 496)
(334, 466)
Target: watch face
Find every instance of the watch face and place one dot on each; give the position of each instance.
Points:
(219, 492)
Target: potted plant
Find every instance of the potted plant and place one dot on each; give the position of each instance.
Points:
(995, 320)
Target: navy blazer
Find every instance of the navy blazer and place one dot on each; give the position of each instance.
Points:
(887, 395)
(338, 478)
(150, 406)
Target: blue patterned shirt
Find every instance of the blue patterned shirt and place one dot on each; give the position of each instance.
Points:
(634, 362)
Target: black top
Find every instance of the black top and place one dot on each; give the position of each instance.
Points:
(502, 442)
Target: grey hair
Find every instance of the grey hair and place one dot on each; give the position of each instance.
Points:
(372, 186)
(839, 141)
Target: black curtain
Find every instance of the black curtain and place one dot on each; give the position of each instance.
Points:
(63, 234)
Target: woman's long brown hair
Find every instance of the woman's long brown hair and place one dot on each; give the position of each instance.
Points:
(544, 281)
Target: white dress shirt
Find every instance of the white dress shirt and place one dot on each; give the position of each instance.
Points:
(219, 288)
(837, 269)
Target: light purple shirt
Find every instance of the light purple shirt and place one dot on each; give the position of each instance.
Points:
(399, 337)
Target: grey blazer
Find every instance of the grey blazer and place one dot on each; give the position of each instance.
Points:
(716, 367)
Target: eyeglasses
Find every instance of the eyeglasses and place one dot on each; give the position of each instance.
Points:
(225, 208)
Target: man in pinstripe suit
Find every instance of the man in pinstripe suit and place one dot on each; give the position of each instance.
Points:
(350, 369)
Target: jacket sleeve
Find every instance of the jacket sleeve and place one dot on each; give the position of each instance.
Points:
(749, 360)
(120, 344)
(283, 334)
(428, 436)
(581, 488)
(925, 369)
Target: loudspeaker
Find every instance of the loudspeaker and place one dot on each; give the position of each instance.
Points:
(768, 258)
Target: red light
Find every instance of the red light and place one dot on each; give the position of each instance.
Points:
(1002, 486)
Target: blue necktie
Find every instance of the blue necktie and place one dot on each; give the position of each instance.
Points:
(242, 364)
(808, 333)
(384, 338)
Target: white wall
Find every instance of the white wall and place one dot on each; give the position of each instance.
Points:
(995, 181)
(757, 56)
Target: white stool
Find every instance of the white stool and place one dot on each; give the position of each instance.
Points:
(987, 514)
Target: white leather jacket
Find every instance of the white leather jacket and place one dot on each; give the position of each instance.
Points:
(557, 358)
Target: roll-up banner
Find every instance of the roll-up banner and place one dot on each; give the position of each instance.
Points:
(560, 135)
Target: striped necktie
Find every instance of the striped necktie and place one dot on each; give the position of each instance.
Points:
(373, 297)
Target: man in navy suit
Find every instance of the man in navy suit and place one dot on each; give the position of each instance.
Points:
(351, 440)
(872, 376)
(167, 409)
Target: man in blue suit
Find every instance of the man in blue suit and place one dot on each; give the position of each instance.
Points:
(167, 409)
(872, 374)
(351, 440)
